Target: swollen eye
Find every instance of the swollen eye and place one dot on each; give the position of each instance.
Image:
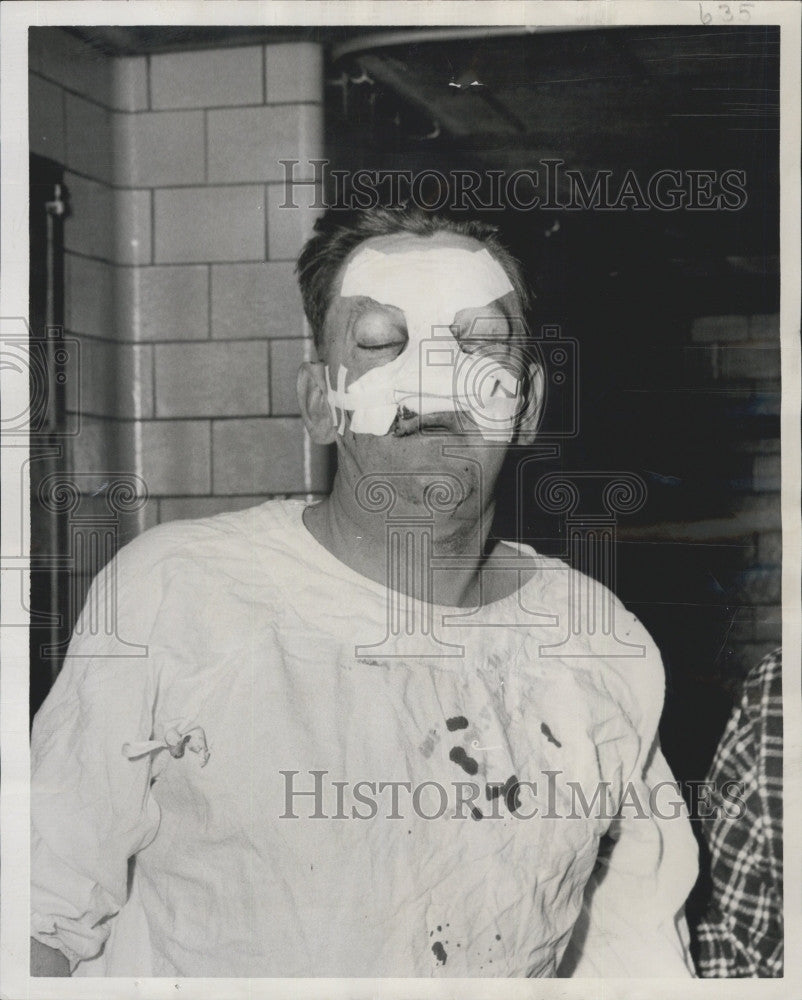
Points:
(396, 345)
(483, 332)
(377, 332)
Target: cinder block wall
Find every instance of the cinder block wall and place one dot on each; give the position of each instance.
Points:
(179, 264)
(734, 360)
(741, 354)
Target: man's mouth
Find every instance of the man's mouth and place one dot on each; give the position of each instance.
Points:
(408, 423)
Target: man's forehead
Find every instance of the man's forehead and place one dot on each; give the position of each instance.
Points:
(361, 305)
(403, 243)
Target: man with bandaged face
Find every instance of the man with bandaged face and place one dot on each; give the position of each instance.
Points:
(351, 749)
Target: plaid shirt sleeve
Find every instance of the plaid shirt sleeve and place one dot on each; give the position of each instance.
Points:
(741, 935)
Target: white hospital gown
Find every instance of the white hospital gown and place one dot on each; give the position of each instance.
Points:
(248, 665)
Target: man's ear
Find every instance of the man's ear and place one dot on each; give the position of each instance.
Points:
(314, 403)
(530, 418)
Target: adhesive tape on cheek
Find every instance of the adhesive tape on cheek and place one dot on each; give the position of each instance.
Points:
(431, 374)
(476, 385)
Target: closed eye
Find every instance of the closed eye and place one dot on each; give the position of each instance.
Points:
(380, 330)
(396, 345)
(481, 332)
(476, 340)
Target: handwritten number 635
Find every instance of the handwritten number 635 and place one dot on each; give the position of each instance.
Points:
(725, 12)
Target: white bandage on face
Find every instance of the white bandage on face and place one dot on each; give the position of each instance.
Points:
(432, 374)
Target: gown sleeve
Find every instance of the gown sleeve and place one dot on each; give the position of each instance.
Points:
(91, 807)
(632, 922)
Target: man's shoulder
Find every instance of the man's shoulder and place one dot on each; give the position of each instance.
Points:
(229, 534)
(603, 639)
(557, 582)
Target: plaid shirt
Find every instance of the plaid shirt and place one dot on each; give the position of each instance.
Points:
(741, 935)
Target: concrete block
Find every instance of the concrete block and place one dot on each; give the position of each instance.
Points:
(163, 303)
(176, 456)
(157, 149)
(207, 78)
(89, 296)
(294, 72)
(760, 512)
(761, 446)
(288, 228)
(46, 118)
(96, 447)
(766, 474)
(88, 138)
(256, 300)
(89, 226)
(210, 224)
(246, 144)
(135, 390)
(761, 361)
(112, 224)
(285, 359)
(132, 227)
(212, 379)
(115, 380)
(765, 327)
(720, 328)
(265, 457)
(129, 83)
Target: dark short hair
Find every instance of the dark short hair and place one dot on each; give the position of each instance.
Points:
(337, 233)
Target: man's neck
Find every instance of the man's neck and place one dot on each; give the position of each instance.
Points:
(364, 540)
